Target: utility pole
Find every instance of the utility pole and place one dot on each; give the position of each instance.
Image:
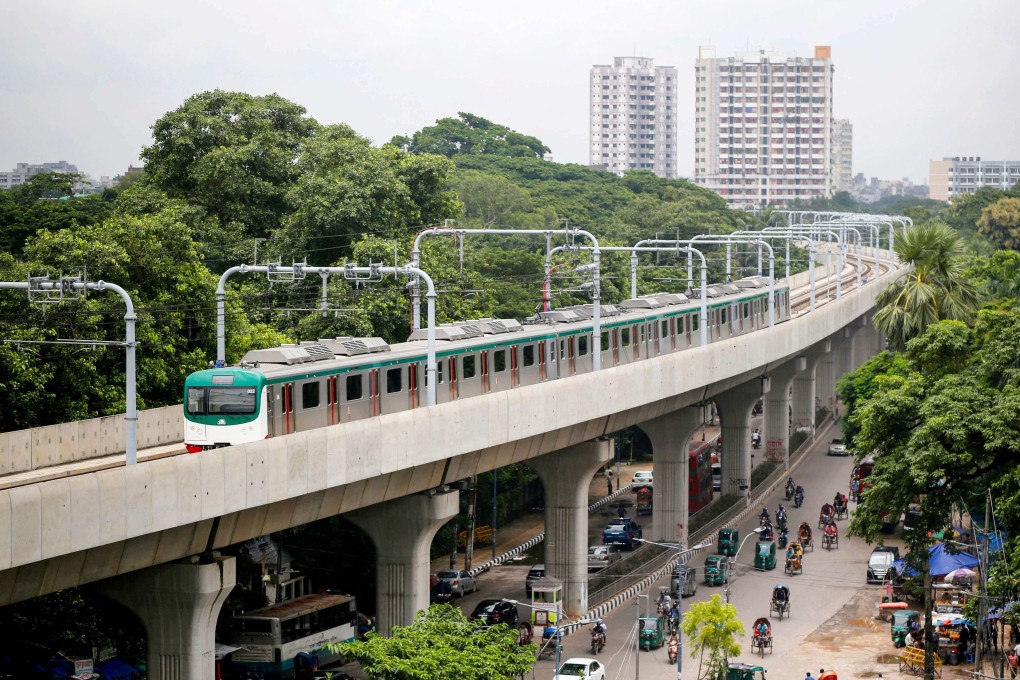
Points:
(469, 547)
(983, 602)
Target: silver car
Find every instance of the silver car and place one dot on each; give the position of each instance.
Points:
(838, 448)
(460, 582)
(602, 556)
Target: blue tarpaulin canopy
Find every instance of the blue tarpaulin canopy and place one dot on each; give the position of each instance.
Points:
(940, 562)
(116, 669)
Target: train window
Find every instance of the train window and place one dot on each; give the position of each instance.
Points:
(641, 334)
(196, 401)
(747, 310)
(236, 400)
(310, 395)
(694, 321)
(354, 388)
(665, 329)
(624, 337)
(582, 345)
(605, 341)
(394, 380)
(722, 316)
(468, 367)
(439, 372)
(499, 360)
(529, 355)
(563, 350)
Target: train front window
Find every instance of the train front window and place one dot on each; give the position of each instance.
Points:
(196, 401)
(231, 400)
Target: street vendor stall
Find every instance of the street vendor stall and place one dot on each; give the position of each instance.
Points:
(952, 632)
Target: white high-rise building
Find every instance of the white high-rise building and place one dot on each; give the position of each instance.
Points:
(842, 155)
(951, 177)
(633, 117)
(763, 126)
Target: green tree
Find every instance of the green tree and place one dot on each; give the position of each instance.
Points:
(233, 154)
(470, 134)
(712, 627)
(442, 644)
(1000, 223)
(489, 198)
(935, 288)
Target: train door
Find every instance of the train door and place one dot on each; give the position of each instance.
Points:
(373, 391)
(452, 361)
(500, 379)
(391, 389)
(283, 413)
(484, 357)
(312, 411)
(541, 362)
(571, 366)
(638, 332)
(355, 397)
(332, 416)
(713, 324)
(413, 397)
(515, 375)
(615, 336)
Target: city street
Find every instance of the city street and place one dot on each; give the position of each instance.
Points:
(829, 580)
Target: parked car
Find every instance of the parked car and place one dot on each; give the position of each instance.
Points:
(496, 611)
(580, 667)
(602, 556)
(838, 448)
(689, 581)
(460, 582)
(622, 531)
(535, 573)
(641, 478)
(881, 559)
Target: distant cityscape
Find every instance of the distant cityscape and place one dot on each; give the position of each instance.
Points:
(764, 134)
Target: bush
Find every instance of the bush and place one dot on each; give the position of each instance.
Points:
(713, 510)
(762, 471)
(796, 439)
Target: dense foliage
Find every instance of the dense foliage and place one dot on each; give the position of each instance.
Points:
(442, 644)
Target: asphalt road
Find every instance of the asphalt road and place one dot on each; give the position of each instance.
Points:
(829, 580)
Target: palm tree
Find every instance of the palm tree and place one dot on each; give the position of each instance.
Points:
(934, 290)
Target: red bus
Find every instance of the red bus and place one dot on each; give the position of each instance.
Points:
(700, 478)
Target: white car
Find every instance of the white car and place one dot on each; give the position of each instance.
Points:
(642, 478)
(837, 448)
(580, 667)
(461, 582)
(602, 556)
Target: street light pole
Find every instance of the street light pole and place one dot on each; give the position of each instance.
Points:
(732, 561)
(637, 638)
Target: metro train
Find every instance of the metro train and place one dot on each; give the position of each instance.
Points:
(293, 388)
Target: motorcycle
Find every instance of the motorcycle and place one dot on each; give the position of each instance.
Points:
(782, 538)
(790, 488)
(598, 641)
(798, 497)
(756, 439)
(672, 649)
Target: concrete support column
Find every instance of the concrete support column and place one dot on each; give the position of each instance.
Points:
(670, 435)
(178, 604)
(827, 373)
(806, 385)
(402, 530)
(777, 409)
(863, 343)
(566, 476)
(844, 358)
(735, 414)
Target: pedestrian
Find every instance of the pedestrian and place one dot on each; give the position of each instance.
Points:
(1012, 660)
(609, 481)
(808, 676)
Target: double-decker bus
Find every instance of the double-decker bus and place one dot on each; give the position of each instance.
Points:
(282, 639)
(699, 482)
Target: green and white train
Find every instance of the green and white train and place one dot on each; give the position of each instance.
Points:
(293, 388)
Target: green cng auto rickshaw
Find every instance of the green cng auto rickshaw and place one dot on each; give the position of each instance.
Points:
(765, 555)
(729, 541)
(716, 570)
(653, 632)
(901, 619)
(745, 671)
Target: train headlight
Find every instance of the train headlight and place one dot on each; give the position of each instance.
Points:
(221, 421)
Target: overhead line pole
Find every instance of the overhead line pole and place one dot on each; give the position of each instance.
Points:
(130, 380)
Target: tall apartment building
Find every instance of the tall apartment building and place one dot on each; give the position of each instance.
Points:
(633, 117)
(951, 177)
(763, 126)
(842, 155)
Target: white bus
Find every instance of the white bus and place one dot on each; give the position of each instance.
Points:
(282, 640)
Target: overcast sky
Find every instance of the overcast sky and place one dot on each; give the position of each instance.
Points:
(84, 81)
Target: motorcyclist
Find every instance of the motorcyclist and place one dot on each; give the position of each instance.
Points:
(672, 647)
(763, 517)
(674, 616)
(665, 602)
(790, 487)
(798, 496)
(781, 514)
(599, 631)
(782, 537)
(756, 438)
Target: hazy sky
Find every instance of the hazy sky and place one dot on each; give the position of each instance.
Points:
(84, 81)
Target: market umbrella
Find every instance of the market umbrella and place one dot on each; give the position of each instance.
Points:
(961, 573)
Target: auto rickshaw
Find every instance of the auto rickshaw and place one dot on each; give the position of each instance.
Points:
(716, 570)
(729, 541)
(653, 632)
(745, 671)
(901, 620)
(643, 503)
(765, 555)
